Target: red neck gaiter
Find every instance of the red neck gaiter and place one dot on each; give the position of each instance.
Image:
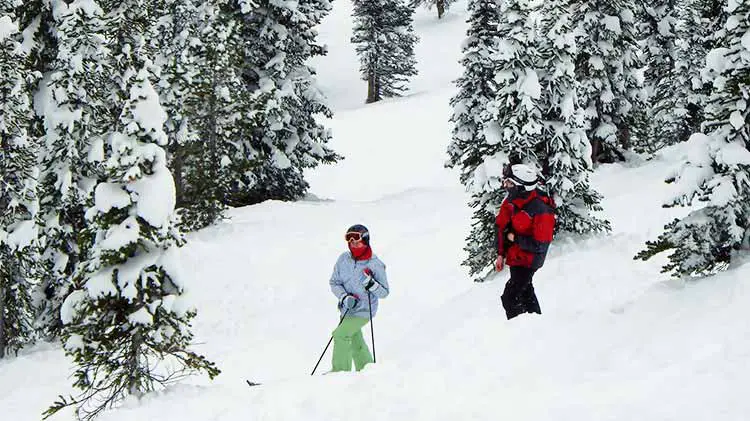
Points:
(362, 253)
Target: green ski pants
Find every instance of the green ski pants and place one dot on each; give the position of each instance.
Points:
(349, 345)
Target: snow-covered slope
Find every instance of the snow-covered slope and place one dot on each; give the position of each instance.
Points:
(617, 340)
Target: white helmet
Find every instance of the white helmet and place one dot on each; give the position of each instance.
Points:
(522, 175)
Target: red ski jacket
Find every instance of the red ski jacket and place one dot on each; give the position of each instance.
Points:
(531, 218)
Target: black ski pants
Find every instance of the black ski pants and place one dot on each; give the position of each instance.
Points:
(519, 296)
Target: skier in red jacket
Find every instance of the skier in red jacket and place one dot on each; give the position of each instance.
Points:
(525, 225)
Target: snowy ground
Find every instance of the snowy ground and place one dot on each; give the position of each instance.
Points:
(617, 340)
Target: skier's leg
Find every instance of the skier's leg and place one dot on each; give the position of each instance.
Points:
(511, 294)
(532, 303)
(343, 337)
(528, 302)
(360, 351)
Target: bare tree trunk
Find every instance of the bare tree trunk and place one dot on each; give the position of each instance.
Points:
(177, 174)
(133, 369)
(625, 135)
(373, 93)
(440, 8)
(596, 145)
(3, 339)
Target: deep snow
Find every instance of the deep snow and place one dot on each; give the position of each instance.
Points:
(617, 340)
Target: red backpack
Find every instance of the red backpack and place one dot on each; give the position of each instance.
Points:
(532, 221)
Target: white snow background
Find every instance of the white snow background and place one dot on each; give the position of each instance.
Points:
(617, 340)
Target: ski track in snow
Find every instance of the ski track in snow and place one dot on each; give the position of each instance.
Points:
(617, 340)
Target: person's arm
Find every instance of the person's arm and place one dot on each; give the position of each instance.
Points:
(337, 285)
(380, 288)
(502, 221)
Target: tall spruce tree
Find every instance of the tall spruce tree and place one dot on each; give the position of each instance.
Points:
(565, 151)
(518, 125)
(606, 66)
(717, 169)
(177, 43)
(442, 6)
(670, 119)
(286, 102)
(384, 38)
(221, 158)
(496, 112)
(192, 48)
(39, 45)
(698, 22)
(472, 118)
(477, 88)
(76, 120)
(127, 326)
(18, 202)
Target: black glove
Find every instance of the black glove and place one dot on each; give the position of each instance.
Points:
(348, 301)
(368, 280)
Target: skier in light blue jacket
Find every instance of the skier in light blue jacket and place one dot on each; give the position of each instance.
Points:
(358, 282)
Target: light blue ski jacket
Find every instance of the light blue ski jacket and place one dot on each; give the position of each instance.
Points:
(347, 278)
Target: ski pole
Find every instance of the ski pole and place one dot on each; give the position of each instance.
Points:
(329, 343)
(372, 328)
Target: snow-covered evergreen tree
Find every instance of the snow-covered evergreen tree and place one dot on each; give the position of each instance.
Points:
(477, 88)
(177, 44)
(128, 311)
(218, 160)
(18, 202)
(698, 22)
(76, 117)
(518, 125)
(716, 171)
(472, 118)
(286, 102)
(442, 6)
(667, 84)
(607, 67)
(192, 51)
(39, 44)
(384, 38)
(565, 152)
(497, 115)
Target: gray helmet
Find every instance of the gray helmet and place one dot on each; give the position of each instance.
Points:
(362, 230)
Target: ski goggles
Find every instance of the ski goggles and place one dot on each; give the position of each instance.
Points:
(353, 236)
(509, 176)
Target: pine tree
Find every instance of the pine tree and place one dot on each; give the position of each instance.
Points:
(496, 112)
(286, 102)
(222, 155)
(472, 118)
(670, 121)
(698, 22)
(37, 23)
(717, 170)
(517, 110)
(606, 66)
(77, 120)
(18, 202)
(196, 74)
(385, 40)
(177, 46)
(477, 88)
(128, 311)
(565, 151)
(39, 45)
(441, 5)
